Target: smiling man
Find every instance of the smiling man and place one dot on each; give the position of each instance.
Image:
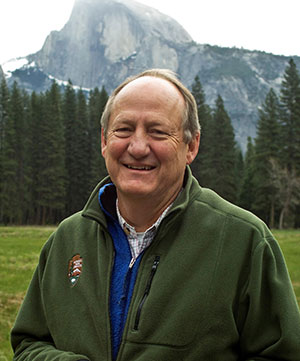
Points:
(156, 268)
(144, 148)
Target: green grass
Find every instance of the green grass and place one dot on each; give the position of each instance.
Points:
(289, 241)
(19, 252)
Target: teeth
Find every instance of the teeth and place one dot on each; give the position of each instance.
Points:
(139, 168)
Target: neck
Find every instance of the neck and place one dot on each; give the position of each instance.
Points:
(142, 213)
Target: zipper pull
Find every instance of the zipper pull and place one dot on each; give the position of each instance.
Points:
(132, 262)
(127, 278)
(155, 263)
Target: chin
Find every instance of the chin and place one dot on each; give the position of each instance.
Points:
(137, 191)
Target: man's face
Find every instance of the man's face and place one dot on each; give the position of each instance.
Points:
(144, 150)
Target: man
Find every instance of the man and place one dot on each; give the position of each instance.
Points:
(155, 267)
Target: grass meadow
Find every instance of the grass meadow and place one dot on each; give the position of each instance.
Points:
(19, 252)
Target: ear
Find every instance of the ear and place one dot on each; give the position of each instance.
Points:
(193, 148)
(103, 143)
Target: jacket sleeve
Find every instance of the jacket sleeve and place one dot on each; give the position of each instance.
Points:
(30, 336)
(269, 309)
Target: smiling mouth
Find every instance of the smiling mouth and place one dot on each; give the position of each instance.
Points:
(145, 167)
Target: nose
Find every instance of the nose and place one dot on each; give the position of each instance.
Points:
(139, 145)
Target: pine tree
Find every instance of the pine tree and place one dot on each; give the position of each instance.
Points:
(223, 154)
(27, 178)
(13, 160)
(267, 146)
(4, 119)
(238, 171)
(201, 162)
(82, 152)
(52, 176)
(290, 117)
(4, 109)
(37, 154)
(71, 148)
(290, 121)
(246, 196)
(97, 102)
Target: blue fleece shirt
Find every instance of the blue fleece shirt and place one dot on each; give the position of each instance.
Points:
(123, 277)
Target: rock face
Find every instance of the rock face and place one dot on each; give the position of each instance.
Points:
(106, 41)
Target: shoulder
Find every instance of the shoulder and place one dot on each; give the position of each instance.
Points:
(209, 210)
(71, 232)
(208, 203)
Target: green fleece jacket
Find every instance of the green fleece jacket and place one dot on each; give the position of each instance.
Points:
(221, 290)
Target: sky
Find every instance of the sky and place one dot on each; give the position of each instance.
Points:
(267, 25)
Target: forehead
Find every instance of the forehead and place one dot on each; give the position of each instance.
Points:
(149, 92)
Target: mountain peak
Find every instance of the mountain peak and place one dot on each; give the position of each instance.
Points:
(148, 17)
(101, 33)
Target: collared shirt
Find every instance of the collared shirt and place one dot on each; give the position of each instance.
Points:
(138, 241)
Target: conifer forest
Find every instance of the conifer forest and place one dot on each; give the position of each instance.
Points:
(50, 158)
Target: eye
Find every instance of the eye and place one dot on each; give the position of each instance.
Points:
(123, 132)
(158, 133)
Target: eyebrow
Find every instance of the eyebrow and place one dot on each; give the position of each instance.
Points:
(148, 123)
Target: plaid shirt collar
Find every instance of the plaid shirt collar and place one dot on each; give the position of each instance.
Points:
(138, 241)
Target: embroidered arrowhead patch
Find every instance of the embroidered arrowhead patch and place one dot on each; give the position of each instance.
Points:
(75, 268)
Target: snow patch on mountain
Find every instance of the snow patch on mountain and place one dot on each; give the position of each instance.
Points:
(14, 64)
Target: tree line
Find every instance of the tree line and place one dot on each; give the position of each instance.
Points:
(267, 180)
(49, 152)
(50, 157)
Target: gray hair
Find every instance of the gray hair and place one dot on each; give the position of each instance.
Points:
(190, 121)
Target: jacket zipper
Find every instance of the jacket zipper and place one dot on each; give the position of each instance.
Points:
(127, 279)
(146, 292)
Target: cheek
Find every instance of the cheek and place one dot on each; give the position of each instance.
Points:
(163, 152)
(169, 153)
(115, 148)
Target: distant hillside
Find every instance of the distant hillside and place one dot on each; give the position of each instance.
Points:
(105, 41)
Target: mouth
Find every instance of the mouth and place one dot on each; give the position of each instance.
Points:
(141, 168)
